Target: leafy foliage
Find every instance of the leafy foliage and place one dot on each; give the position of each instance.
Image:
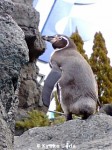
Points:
(100, 64)
(35, 119)
(59, 120)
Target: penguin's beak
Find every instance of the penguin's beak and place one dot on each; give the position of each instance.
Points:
(48, 38)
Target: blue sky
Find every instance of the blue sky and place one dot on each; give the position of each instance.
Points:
(88, 19)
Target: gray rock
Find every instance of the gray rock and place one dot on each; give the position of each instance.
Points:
(28, 19)
(13, 54)
(5, 136)
(95, 133)
(29, 91)
(27, 2)
(23, 13)
(20, 41)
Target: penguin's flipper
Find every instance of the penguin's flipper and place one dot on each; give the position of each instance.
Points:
(49, 84)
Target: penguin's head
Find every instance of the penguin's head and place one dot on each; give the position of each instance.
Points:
(57, 41)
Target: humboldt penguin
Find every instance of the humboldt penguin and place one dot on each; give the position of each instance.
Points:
(70, 72)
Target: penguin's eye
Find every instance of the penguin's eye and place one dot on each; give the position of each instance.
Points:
(60, 38)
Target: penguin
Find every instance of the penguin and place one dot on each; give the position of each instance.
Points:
(74, 78)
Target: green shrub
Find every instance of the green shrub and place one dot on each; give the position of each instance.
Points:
(38, 119)
(35, 119)
(59, 120)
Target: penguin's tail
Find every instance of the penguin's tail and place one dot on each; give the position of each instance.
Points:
(84, 107)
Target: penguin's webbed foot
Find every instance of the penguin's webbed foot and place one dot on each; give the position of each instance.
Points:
(69, 117)
(86, 116)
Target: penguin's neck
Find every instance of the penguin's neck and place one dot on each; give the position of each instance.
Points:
(53, 53)
(56, 50)
(64, 48)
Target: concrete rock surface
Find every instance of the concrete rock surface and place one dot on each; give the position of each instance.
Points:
(13, 54)
(20, 42)
(5, 136)
(95, 133)
(28, 19)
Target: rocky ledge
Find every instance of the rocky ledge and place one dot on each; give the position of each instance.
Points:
(95, 133)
